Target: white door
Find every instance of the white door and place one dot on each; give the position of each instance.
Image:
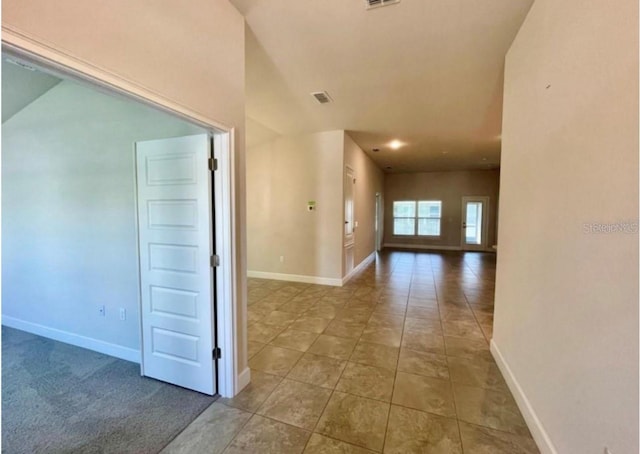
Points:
(475, 217)
(175, 248)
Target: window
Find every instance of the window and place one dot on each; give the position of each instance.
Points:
(422, 216)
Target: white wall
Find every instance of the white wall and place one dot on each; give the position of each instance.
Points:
(282, 176)
(369, 181)
(69, 216)
(449, 187)
(566, 307)
(188, 53)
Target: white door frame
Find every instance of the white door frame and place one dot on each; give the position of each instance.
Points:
(378, 227)
(485, 224)
(61, 64)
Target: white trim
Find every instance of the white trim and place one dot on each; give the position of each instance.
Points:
(540, 435)
(370, 258)
(56, 60)
(107, 348)
(244, 378)
(226, 277)
(434, 247)
(59, 61)
(296, 278)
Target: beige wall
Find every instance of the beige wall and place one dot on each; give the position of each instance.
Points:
(369, 181)
(282, 176)
(449, 187)
(189, 52)
(566, 306)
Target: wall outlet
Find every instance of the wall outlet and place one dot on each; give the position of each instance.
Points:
(123, 313)
(282, 259)
(101, 310)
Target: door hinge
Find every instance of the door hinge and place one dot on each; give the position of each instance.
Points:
(213, 164)
(215, 261)
(216, 353)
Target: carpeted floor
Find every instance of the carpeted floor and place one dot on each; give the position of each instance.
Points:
(57, 398)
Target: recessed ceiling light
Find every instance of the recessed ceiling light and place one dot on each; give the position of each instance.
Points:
(395, 144)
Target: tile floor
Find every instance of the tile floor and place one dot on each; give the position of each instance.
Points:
(396, 361)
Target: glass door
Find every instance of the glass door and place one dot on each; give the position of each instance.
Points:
(474, 223)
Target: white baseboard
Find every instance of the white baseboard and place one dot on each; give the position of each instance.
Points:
(244, 378)
(118, 351)
(370, 258)
(538, 431)
(433, 247)
(295, 278)
(423, 246)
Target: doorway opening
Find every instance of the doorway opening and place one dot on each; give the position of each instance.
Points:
(219, 196)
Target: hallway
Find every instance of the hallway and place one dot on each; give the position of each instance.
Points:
(395, 361)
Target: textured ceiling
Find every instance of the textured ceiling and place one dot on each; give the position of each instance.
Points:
(428, 73)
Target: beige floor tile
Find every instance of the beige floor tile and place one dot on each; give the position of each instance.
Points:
(427, 326)
(430, 313)
(421, 341)
(375, 355)
(355, 420)
(477, 372)
(467, 348)
(423, 363)
(390, 309)
(462, 328)
(342, 328)
(295, 340)
(264, 435)
(319, 444)
(311, 324)
(275, 360)
(413, 431)
(254, 347)
(317, 370)
(295, 403)
(256, 392)
(210, 432)
(481, 440)
(354, 315)
(386, 321)
(324, 310)
(262, 332)
(393, 299)
(424, 393)
(423, 302)
(367, 381)
(489, 408)
(390, 336)
(333, 346)
(296, 307)
(279, 318)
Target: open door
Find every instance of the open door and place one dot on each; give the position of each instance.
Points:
(175, 229)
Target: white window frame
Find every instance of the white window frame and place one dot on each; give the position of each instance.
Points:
(417, 218)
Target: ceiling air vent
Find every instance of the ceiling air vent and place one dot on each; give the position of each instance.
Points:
(378, 3)
(322, 97)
